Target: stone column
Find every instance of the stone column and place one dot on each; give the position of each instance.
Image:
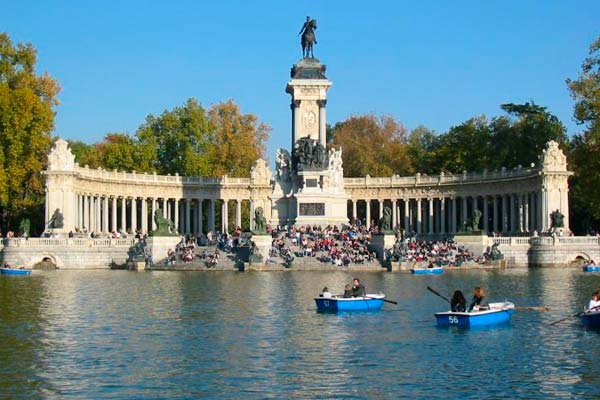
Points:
(297, 120)
(113, 216)
(430, 219)
(354, 210)
(211, 215)
(176, 212)
(533, 212)
(79, 212)
(513, 212)
(406, 216)
(394, 214)
(543, 207)
(145, 215)
(134, 226)
(485, 214)
(381, 202)
(105, 214)
(251, 215)
(123, 214)
(86, 212)
(153, 212)
(225, 216)
(238, 214)
(504, 213)
(526, 212)
(199, 227)
(419, 217)
(98, 214)
(465, 210)
(164, 208)
(495, 214)
(322, 122)
(453, 222)
(442, 215)
(368, 212)
(187, 228)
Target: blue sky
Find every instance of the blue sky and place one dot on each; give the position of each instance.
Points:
(435, 63)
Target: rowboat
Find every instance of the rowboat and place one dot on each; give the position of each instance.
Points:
(591, 319)
(13, 271)
(427, 271)
(369, 302)
(497, 313)
(591, 268)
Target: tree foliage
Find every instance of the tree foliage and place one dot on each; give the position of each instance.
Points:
(585, 147)
(372, 145)
(26, 119)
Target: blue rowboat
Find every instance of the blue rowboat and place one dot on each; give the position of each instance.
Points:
(427, 271)
(591, 319)
(13, 271)
(369, 302)
(591, 268)
(497, 313)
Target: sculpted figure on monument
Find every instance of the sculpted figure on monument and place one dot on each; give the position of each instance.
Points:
(283, 163)
(385, 222)
(308, 37)
(56, 222)
(557, 219)
(472, 224)
(318, 155)
(260, 222)
(164, 226)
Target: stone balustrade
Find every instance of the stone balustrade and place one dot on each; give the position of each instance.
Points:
(68, 242)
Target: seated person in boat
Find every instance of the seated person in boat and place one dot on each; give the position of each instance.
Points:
(326, 293)
(458, 302)
(347, 291)
(478, 296)
(6, 266)
(595, 301)
(358, 289)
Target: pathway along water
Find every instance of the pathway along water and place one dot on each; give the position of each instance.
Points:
(120, 334)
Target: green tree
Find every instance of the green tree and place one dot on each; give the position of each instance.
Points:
(585, 147)
(422, 146)
(27, 104)
(122, 152)
(236, 140)
(372, 145)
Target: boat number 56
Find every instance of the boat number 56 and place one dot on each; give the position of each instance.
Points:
(452, 319)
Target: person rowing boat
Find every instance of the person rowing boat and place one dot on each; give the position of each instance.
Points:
(478, 295)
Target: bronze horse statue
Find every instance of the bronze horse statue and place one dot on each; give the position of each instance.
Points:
(308, 37)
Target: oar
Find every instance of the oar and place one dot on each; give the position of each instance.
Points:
(574, 315)
(532, 308)
(386, 300)
(437, 294)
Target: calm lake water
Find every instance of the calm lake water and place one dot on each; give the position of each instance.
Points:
(121, 334)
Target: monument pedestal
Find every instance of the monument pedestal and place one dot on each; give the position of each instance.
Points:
(263, 245)
(158, 246)
(477, 242)
(380, 243)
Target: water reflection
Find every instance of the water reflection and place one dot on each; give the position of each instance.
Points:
(118, 334)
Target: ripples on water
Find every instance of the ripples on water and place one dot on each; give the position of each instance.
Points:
(119, 334)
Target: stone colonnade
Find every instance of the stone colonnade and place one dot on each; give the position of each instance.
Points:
(504, 213)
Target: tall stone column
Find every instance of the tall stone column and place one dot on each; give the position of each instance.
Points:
(164, 208)
(453, 222)
(419, 217)
(199, 227)
(176, 212)
(495, 214)
(407, 228)
(380, 215)
(79, 212)
(442, 215)
(86, 212)
(520, 215)
(430, 221)
(238, 213)
(211, 214)
(526, 212)
(368, 212)
(251, 215)
(505, 213)
(485, 214)
(105, 214)
(322, 122)
(153, 212)
(354, 215)
(394, 214)
(144, 214)
(465, 210)
(98, 227)
(533, 212)
(297, 120)
(545, 212)
(225, 216)
(188, 229)
(123, 214)
(134, 224)
(513, 213)
(113, 214)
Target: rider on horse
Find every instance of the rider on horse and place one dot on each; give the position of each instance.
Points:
(308, 37)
